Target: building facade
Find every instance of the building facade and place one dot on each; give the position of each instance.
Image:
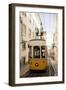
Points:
(54, 49)
(30, 23)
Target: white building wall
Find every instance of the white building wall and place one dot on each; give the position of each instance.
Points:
(31, 21)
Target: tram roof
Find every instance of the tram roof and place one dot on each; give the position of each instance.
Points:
(36, 42)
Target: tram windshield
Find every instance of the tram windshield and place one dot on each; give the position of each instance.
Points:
(36, 52)
(39, 50)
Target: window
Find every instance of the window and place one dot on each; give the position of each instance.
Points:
(23, 30)
(30, 52)
(23, 45)
(37, 31)
(43, 51)
(20, 20)
(23, 59)
(33, 34)
(30, 18)
(29, 33)
(36, 51)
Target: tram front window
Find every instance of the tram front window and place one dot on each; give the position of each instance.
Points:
(36, 52)
(43, 51)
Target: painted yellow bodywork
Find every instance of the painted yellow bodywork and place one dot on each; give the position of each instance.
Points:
(42, 64)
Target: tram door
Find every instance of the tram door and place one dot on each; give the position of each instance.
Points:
(36, 52)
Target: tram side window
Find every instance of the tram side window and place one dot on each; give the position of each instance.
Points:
(43, 51)
(36, 52)
(30, 52)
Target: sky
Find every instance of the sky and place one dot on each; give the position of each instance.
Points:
(48, 22)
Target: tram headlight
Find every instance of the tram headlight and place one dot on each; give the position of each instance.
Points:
(36, 64)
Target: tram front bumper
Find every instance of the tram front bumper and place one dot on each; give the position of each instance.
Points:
(38, 64)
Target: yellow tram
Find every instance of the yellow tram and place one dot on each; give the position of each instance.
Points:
(37, 54)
